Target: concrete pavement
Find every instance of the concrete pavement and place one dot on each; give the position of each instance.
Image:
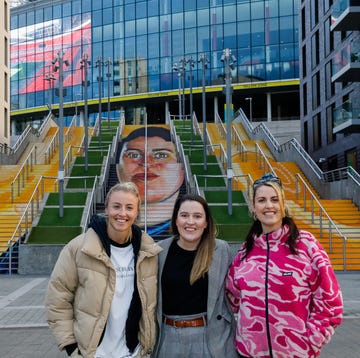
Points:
(24, 332)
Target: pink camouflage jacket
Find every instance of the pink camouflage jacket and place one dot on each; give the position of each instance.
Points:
(288, 305)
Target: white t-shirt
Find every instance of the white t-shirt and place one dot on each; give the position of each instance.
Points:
(113, 344)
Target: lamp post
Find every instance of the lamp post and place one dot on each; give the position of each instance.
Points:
(84, 65)
(58, 63)
(228, 60)
(191, 63)
(204, 61)
(77, 95)
(99, 64)
(49, 77)
(182, 68)
(250, 104)
(177, 69)
(108, 75)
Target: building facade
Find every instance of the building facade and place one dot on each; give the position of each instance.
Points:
(330, 81)
(144, 41)
(4, 76)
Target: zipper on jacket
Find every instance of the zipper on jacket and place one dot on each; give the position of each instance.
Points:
(267, 298)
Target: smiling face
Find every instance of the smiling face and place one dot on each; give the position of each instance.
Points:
(268, 208)
(191, 223)
(122, 210)
(164, 174)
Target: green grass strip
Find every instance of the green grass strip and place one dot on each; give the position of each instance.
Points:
(69, 199)
(71, 217)
(53, 235)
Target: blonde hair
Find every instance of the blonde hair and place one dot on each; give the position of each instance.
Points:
(127, 187)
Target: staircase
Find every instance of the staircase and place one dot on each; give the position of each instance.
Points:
(26, 183)
(344, 214)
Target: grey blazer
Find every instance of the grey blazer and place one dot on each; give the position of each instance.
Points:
(221, 322)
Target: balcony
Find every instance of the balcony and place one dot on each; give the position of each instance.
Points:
(345, 15)
(346, 64)
(346, 119)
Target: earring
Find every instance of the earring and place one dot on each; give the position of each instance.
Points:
(254, 216)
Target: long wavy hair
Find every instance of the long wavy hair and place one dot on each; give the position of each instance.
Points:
(256, 228)
(205, 250)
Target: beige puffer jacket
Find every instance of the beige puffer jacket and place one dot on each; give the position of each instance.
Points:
(81, 289)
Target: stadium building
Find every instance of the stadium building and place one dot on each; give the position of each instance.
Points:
(133, 49)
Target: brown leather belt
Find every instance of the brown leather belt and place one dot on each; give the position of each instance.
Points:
(184, 323)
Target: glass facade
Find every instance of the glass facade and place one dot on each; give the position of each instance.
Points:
(144, 39)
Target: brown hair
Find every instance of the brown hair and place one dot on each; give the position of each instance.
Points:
(206, 246)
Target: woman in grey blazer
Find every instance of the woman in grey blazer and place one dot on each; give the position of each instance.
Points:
(193, 314)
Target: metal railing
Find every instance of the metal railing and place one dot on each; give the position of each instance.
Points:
(23, 174)
(322, 215)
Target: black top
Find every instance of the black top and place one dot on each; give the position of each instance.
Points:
(179, 297)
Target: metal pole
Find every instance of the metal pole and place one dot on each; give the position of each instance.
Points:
(191, 61)
(226, 58)
(99, 64)
(84, 64)
(182, 69)
(250, 107)
(180, 105)
(61, 135)
(108, 63)
(204, 61)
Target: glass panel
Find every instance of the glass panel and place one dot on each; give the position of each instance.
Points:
(190, 41)
(229, 14)
(230, 36)
(129, 28)
(177, 21)
(203, 39)
(129, 47)
(108, 32)
(141, 27)
(203, 17)
(257, 10)
(257, 33)
(153, 7)
(243, 12)
(153, 24)
(107, 16)
(178, 43)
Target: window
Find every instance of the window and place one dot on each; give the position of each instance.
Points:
(315, 50)
(303, 59)
(330, 136)
(329, 85)
(314, 13)
(315, 90)
(304, 90)
(317, 131)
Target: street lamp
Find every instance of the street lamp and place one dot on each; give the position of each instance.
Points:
(108, 75)
(191, 63)
(58, 65)
(84, 65)
(204, 61)
(99, 64)
(250, 103)
(49, 77)
(182, 68)
(228, 60)
(178, 69)
(77, 95)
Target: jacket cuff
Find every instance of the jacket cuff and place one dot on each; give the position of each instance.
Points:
(70, 348)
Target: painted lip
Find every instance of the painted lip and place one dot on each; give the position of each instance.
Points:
(141, 177)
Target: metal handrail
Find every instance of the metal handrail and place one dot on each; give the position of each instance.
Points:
(322, 210)
(23, 173)
(240, 146)
(259, 153)
(91, 207)
(52, 146)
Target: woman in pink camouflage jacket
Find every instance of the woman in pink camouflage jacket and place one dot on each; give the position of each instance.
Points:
(281, 283)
